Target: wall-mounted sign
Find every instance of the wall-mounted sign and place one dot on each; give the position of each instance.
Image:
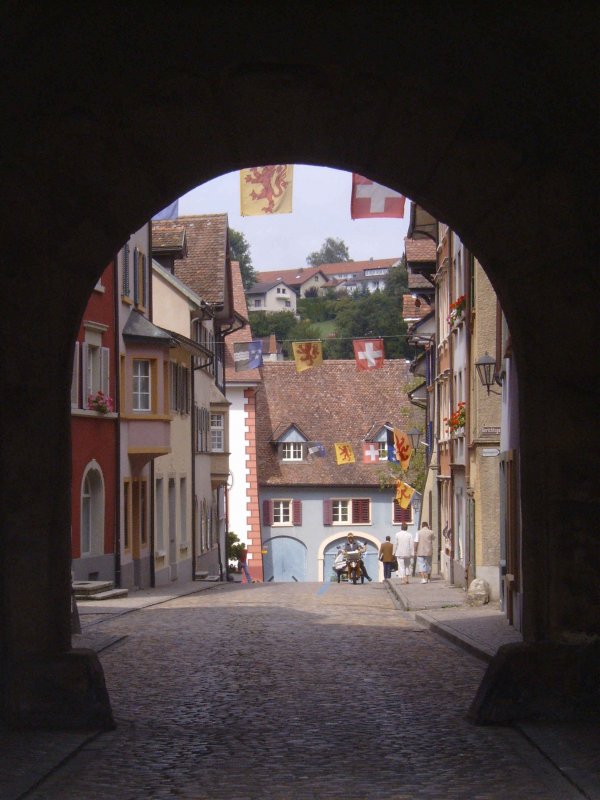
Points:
(490, 430)
(488, 452)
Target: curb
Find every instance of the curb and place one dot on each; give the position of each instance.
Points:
(470, 646)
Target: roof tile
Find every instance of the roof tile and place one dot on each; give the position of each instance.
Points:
(330, 403)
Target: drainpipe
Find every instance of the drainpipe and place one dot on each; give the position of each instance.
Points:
(117, 373)
(193, 440)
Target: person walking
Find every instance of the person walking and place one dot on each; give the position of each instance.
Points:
(243, 563)
(386, 555)
(403, 552)
(424, 551)
(363, 566)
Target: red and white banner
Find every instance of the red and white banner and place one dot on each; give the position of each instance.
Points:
(370, 452)
(371, 200)
(369, 353)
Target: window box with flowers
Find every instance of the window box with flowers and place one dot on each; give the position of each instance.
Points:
(456, 421)
(100, 402)
(457, 310)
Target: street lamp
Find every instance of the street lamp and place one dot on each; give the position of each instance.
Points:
(486, 369)
(415, 437)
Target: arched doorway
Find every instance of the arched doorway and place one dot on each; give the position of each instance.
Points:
(328, 550)
(490, 124)
(284, 560)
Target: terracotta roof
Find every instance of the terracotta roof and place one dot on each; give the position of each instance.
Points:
(204, 264)
(296, 277)
(242, 335)
(358, 266)
(414, 308)
(293, 277)
(418, 281)
(420, 250)
(330, 403)
(167, 235)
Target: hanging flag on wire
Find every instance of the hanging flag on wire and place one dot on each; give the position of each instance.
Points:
(170, 212)
(368, 353)
(307, 355)
(404, 493)
(266, 190)
(399, 447)
(371, 200)
(247, 355)
(317, 449)
(370, 452)
(344, 453)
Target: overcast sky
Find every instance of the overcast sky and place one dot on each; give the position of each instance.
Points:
(321, 208)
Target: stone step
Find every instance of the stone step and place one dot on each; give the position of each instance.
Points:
(110, 594)
(212, 578)
(82, 588)
(201, 575)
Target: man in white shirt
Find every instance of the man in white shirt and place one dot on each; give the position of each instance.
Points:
(403, 552)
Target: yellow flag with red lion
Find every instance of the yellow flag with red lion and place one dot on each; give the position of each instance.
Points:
(404, 494)
(307, 355)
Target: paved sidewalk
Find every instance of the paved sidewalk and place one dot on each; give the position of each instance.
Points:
(443, 609)
(93, 612)
(29, 757)
(572, 748)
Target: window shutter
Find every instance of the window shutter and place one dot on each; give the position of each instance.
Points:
(268, 513)
(296, 512)
(126, 270)
(136, 298)
(86, 389)
(360, 510)
(105, 370)
(402, 514)
(327, 512)
(143, 291)
(75, 378)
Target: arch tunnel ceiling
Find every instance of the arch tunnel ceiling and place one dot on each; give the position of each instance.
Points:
(475, 118)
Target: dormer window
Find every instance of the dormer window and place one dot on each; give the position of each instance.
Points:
(290, 442)
(291, 451)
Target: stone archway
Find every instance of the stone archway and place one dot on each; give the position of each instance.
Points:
(487, 121)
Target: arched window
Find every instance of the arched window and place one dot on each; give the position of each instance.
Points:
(92, 511)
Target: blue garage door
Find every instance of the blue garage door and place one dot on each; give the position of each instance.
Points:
(285, 559)
(370, 557)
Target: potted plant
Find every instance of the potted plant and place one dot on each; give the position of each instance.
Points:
(233, 549)
(457, 310)
(456, 420)
(100, 402)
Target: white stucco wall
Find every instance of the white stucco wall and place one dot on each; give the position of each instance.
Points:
(238, 434)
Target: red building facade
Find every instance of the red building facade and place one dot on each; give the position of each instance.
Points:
(94, 438)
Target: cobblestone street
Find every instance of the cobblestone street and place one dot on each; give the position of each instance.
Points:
(278, 691)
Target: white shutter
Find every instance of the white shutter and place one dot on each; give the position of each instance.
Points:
(105, 370)
(86, 389)
(75, 378)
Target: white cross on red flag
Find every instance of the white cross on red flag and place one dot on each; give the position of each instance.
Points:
(368, 353)
(370, 452)
(371, 200)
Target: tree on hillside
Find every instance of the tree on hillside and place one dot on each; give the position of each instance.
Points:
(376, 314)
(332, 251)
(396, 281)
(264, 323)
(240, 251)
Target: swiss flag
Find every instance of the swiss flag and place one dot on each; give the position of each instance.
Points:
(370, 452)
(371, 200)
(368, 353)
